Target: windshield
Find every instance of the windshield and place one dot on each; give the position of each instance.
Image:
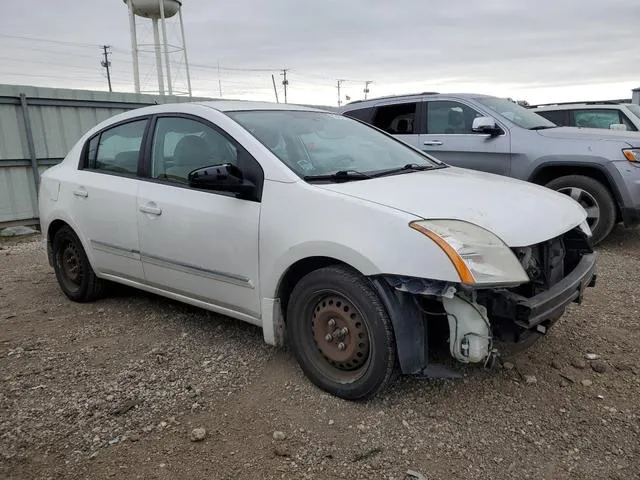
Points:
(319, 143)
(521, 116)
(635, 109)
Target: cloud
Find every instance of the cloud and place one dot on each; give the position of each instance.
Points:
(510, 47)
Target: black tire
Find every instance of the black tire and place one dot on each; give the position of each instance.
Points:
(75, 276)
(595, 191)
(340, 294)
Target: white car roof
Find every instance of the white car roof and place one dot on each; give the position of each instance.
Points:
(242, 105)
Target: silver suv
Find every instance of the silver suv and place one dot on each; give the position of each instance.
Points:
(614, 116)
(600, 169)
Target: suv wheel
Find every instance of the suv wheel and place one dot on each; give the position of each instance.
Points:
(594, 197)
(73, 271)
(341, 334)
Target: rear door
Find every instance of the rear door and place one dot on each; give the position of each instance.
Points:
(104, 199)
(448, 136)
(399, 119)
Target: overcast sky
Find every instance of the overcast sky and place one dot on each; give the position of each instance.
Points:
(536, 50)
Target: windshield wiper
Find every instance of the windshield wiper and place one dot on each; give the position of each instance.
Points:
(409, 167)
(339, 176)
(543, 127)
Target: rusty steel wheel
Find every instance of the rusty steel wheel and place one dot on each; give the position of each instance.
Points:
(73, 271)
(340, 333)
(70, 265)
(340, 336)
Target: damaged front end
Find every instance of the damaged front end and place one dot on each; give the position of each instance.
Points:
(476, 322)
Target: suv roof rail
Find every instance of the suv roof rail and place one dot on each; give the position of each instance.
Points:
(601, 102)
(392, 96)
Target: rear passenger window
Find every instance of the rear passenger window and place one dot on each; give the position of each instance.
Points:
(117, 149)
(396, 119)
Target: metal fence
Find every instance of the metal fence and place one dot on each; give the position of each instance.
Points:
(38, 126)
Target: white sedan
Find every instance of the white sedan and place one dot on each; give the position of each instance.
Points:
(364, 254)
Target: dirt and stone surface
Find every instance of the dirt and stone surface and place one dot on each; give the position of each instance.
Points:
(139, 387)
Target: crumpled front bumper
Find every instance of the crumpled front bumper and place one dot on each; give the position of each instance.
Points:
(550, 304)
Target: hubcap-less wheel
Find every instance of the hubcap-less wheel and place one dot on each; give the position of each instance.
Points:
(71, 266)
(587, 201)
(341, 338)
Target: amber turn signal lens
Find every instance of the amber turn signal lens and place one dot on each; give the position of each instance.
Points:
(461, 267)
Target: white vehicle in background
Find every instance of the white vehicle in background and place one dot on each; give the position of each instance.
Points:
(612, 116)
(354, 247)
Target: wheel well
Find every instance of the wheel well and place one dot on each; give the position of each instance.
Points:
(295, 273)
(53, 229)
(546, 174)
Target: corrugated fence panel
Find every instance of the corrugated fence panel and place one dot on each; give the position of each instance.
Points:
(17, 194)
(58, 118)
(12, 133)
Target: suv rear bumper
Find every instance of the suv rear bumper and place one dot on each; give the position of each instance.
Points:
(549, 305)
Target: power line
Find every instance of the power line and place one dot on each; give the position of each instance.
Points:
(61, 42)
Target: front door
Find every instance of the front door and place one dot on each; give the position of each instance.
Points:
(105, 193)
(449, 137)
(196, 243)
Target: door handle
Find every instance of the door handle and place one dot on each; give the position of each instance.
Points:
(432, 143)
(81, 192)
(151, 210)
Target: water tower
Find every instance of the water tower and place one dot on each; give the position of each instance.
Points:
(162, 12)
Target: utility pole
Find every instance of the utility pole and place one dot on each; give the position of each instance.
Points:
(339, 97)
(285, 82)
(366, 88)
(275, 90)
(106, 51)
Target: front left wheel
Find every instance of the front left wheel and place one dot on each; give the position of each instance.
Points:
(75, 276)
(341, 334)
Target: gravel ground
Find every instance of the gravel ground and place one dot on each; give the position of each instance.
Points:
(123, 387)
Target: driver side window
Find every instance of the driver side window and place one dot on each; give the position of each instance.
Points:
(446, 117)
(181, 145)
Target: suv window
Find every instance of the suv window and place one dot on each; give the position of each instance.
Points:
(363, 114)
(447, 117)
(600, 118)
(396, 119)
(559, 117)
(117, 149)
(181, 145)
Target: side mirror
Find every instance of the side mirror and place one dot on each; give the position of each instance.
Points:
(618, 126)
(485, 125)
(222, 178)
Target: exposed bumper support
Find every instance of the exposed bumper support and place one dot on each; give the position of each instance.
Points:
(548, 305)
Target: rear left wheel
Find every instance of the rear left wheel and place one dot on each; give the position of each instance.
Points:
(73, 271)
(341, 334)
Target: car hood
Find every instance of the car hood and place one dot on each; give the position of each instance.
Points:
(575, 133)
(520, 213)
